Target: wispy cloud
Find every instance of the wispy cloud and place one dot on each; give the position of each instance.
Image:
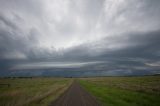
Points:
(46, 65)
(118, 34)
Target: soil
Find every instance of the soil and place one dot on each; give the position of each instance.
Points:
(75, 96)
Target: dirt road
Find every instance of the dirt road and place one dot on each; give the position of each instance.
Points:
(75, 96)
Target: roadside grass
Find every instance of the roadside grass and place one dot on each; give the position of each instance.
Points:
(31, 91)
(124, 91)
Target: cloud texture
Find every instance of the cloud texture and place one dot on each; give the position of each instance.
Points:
(79, 37)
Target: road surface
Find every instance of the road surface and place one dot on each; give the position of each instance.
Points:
(75, 96)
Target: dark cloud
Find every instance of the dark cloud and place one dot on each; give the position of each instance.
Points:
(79, 37)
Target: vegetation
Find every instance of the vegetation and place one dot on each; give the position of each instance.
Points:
(124, 91)
(110, 91)
(31, 91)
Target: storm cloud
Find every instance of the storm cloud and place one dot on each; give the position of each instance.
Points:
(79, 37)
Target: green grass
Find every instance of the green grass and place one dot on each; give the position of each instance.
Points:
(31, 91)
(124, 91)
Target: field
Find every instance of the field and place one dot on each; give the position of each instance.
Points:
(108, 91)
(31, 91)
(124, 91)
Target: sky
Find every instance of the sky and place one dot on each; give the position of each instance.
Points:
(79, 37)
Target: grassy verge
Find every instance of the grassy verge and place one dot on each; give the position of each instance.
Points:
(31, 91)
(124, 91)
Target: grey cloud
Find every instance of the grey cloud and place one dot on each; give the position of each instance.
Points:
(46, 65)
(123, 36)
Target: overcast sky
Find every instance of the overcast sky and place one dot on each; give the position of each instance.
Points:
(84, 37)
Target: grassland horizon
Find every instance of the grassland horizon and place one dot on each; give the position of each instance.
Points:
(109, 91)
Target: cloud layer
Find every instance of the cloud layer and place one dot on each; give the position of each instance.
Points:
(79, 37)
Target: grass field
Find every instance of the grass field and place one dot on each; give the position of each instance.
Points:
(124, 91)
(31, 91)
(109, 91)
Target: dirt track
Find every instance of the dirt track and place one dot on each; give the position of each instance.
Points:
(75, 96)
